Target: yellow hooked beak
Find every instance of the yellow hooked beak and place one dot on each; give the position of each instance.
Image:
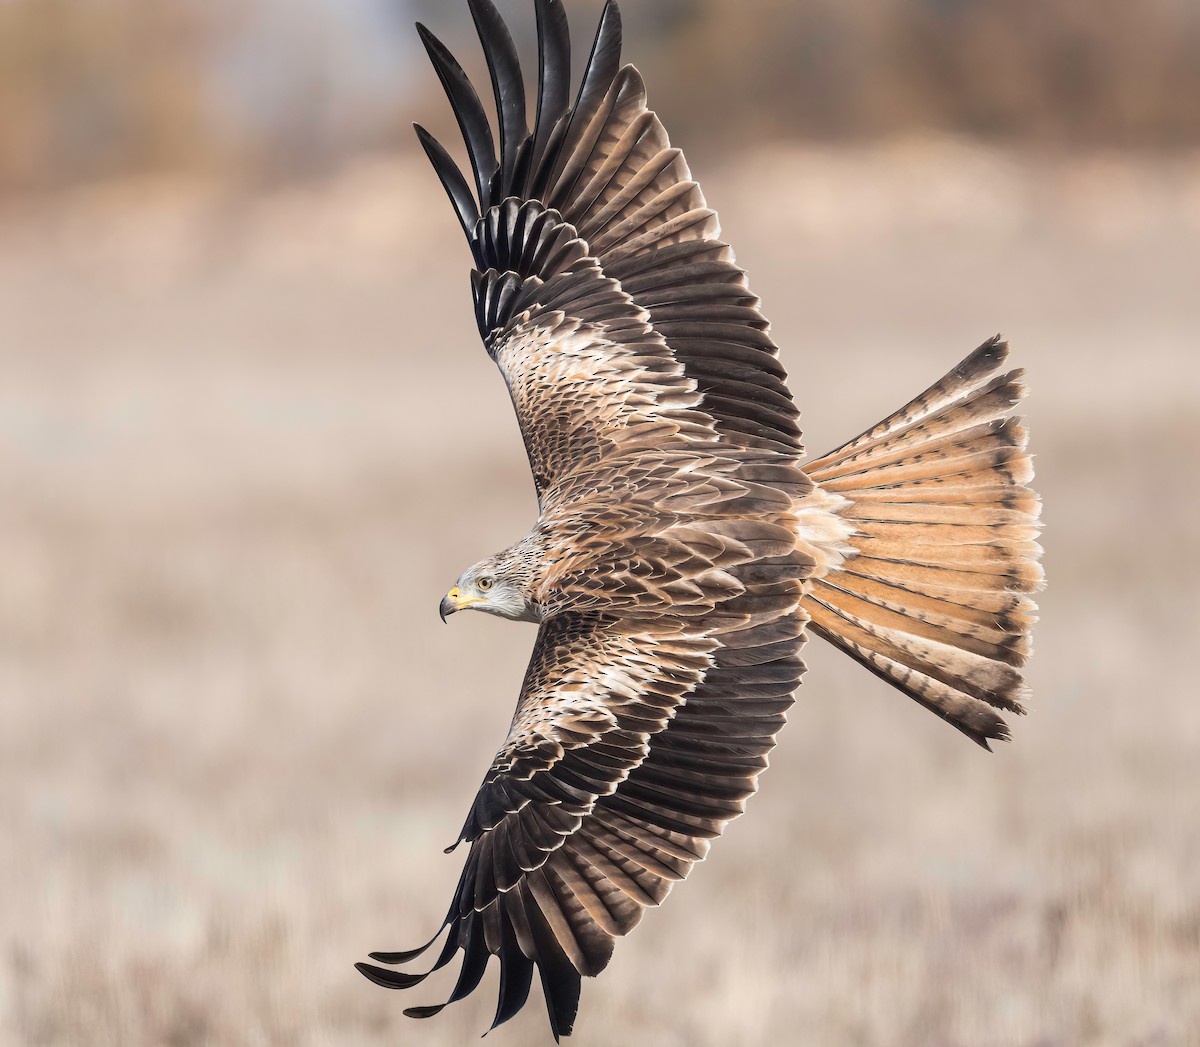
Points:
(455, 601)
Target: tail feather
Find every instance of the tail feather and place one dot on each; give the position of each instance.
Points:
(969, 619)
(899, 616)
(934, 594)
(968, 465)
(929, 438)
(975, 373)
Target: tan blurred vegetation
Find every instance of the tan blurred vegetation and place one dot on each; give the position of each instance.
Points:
(93, 88)
(1061, 72)
(248, 439)
(246, 443)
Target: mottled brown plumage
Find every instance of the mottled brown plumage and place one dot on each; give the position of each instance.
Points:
(681, 548)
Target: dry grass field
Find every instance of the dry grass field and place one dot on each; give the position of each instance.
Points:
(247, 444)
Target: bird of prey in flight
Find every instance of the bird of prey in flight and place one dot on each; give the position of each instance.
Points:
(683, 547)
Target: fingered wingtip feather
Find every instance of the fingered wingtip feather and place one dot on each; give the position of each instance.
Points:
(452, 179)
(394, 958)
(371, 973)
(468, 111)
(426, 35)
(391, 979)
(516, 976)
(508, 85)
(603, 64)
(606, 51)
(554, 79)
(600, 89)
(407, 955)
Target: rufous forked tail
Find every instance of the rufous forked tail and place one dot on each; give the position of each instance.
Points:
(935, 597)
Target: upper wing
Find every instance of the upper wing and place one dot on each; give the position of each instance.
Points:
(602, 289)
(630, 749)
(622, 327)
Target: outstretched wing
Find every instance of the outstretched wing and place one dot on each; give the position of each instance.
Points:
(631, 748)
(626, 334)
(602, 290)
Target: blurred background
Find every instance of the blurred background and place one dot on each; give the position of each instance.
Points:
(234, 321)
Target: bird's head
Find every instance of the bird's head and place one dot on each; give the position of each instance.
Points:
(496, 585)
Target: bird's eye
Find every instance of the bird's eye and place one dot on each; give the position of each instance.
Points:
(485, 584)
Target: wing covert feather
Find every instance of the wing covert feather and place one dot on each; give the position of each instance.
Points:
(607, 200)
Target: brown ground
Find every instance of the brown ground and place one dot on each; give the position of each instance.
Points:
(244, 449)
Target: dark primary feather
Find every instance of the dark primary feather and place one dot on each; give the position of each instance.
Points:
(465, 205)
(472, 120)
(554, 77)
(602, 64)
(507, 85)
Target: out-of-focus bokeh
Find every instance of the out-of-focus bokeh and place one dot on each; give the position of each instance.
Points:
(285, 88)
(248, 438)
